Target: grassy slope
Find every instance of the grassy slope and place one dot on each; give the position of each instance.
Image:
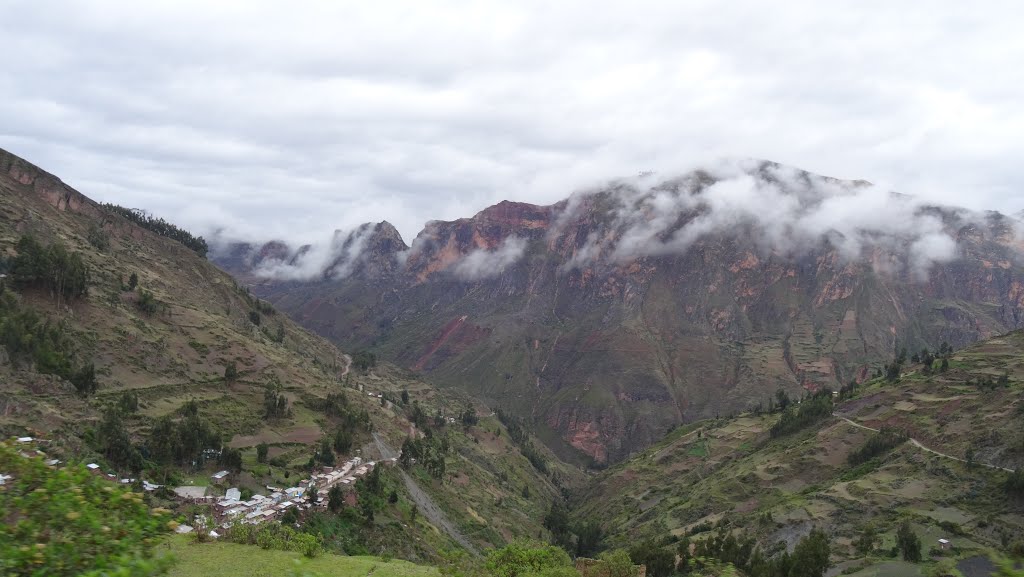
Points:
(177, 355)
(731, 469)
(231, 560)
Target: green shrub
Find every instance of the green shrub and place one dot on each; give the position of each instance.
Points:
(67, 521)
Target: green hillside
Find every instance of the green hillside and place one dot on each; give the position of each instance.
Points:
(153, 354)
(942, 464)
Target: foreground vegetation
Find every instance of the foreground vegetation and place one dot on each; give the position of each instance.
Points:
(68, 521)
(234, 560)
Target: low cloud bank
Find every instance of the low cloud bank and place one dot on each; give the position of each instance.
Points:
(781, 209)
(480, 263)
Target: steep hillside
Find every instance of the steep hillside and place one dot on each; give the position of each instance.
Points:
(947, 476)
(611, 317)
(124, 335)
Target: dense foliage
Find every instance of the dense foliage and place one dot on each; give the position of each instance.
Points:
(521, 558)
(182, 441)
(364, 360)
(429, 452)
(161, 227)
(276, 536)
(811, 410)
(68, 522)
(54, 268)
(810, 557)
(30, 338)
(882, 442)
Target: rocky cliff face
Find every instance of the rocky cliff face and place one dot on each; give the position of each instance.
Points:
(615, 315)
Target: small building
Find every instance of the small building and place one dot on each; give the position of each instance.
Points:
(219, 476)
(944, 544)
(4, 478)
(25, 439)
(233, 494)
(294, 492)
(93, 467)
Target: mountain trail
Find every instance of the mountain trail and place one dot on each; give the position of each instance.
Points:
(918, 444)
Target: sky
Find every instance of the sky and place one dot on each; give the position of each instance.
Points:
(291, 120)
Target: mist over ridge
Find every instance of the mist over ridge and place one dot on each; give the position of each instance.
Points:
(782, 211)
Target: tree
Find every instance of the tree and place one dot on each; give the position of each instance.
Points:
(261, 452)
(393, 497)
(469, 417)
(342, 441)
(84, 380)
(685, 555)
(557, 521)
(133, 281)
(325, 454)
(811, 554)
(521, 558)
(335, 499)
(660, 562)
(782, 399)
(588, 539)
(865, 543)
(254, 318)
(147, 303)
(230, 372)
(405, 397)
(231, 459)
(908, 543)
(615, 563)
(129, 402)
(944, 365)
(114, 443)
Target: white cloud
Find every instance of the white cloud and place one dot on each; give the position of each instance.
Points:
(481, 263)
(782, 210)
(293, 122)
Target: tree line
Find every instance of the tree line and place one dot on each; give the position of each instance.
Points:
(161, 227)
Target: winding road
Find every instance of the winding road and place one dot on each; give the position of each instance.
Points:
(918, 444)
(424, 503)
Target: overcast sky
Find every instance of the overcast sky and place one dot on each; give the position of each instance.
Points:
(292, 119)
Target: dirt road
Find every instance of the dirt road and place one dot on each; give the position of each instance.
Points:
(427, 507)
(918, 444)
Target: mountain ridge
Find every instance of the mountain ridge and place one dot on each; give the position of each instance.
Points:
(613, 315)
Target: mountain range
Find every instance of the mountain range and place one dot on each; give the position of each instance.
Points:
(611, 317)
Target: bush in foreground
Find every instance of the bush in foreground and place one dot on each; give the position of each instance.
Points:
(69, 522)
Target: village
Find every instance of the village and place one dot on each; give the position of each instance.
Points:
(229, 508)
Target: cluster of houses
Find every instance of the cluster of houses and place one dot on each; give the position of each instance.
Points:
(258, 509)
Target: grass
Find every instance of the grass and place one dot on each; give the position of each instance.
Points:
(232, 560)
(890, 569)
